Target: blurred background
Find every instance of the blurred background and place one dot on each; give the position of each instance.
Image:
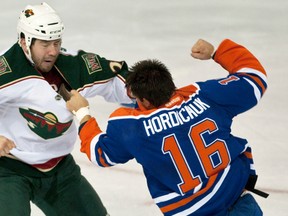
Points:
(166, 30)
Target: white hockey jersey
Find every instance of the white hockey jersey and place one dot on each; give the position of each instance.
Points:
(34, 115)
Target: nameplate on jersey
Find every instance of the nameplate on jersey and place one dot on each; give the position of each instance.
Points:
(92, 63)
(4, 66)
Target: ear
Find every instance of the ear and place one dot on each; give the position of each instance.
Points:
(147, 104)
(23, 45)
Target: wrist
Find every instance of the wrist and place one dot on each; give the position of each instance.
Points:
(84, 119)
(81, 113)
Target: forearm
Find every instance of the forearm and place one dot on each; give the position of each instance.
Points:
(87, 131)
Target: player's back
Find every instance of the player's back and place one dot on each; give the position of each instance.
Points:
(191, 161)
(185, 148)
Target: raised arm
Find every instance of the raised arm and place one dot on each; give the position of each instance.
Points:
(246, 81)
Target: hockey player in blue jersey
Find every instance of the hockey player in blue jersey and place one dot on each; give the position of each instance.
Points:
(182, 137)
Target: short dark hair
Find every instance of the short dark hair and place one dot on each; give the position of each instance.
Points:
(151, 79)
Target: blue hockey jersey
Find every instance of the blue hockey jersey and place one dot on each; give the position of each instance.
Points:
(192, 162)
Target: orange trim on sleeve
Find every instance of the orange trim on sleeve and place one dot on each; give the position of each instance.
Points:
(87, 133)
(248, 155)
(102, 161)
(258, 81)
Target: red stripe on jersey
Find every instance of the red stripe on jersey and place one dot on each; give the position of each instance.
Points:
(49, 164)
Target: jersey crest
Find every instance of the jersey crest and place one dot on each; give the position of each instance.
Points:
(92, 63)
(4, 66)
(45, 125)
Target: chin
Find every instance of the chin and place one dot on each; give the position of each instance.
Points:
(46, 69)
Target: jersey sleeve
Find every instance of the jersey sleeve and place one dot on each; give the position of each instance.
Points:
(94, 75)
(103, 149)
(244, 86)
(234, 57)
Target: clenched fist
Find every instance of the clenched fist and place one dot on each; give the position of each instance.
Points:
(5, 146)
(202, 50)
(76, 101)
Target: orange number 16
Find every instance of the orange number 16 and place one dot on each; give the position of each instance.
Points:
(205, 152)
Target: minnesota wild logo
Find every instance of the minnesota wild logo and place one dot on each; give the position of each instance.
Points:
(45, 125)
(29, 12)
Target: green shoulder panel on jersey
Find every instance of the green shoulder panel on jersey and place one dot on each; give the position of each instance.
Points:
(88, 68)
(78, 70)
(15, 67)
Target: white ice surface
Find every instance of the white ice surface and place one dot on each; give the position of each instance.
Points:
(133, 30)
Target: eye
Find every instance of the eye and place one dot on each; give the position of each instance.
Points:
(57, 43)
(45, 45)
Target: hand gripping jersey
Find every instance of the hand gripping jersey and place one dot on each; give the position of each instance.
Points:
(192, 162)
(34, 115)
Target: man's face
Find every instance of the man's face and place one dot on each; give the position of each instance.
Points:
(44, 53)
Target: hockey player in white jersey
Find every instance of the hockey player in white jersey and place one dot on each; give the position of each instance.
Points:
(37, 132)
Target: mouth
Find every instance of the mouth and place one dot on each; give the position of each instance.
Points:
(49, 61)
(46, 65)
